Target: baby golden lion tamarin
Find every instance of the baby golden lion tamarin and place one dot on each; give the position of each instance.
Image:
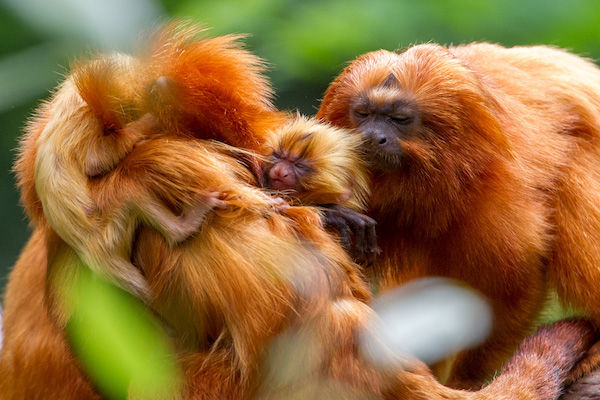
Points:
(315, 163)
(186, 98)
(94, 125)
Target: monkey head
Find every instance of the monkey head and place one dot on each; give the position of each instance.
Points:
(386, 116)
(414, 107)
(430, 125)
(317, 163)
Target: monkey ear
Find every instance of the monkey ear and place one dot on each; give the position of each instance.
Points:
(162, 99)
(99, 86)
(390, 81)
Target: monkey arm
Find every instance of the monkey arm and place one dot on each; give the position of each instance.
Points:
(349, 222)
(177, 228)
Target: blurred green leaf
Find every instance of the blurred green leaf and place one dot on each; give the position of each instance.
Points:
(119, 343)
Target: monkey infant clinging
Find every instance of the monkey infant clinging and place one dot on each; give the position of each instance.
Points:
(94, 123)
(315, 163)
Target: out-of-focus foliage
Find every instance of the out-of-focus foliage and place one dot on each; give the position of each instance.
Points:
(118, 341)
(306, 42)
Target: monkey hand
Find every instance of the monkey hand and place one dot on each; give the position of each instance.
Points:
(191, 219)
(211, 200)
(278, 204)
(351, 223)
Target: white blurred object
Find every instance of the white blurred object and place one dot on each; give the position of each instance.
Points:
(114, 24)
(429, 319)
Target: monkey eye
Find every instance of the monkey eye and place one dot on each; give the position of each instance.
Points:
(361, 114)
(302, 167)
(402, 120)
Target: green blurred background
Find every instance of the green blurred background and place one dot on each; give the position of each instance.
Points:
(306, 43)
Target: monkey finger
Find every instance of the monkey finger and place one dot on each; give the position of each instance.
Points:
(334, 221)
(358, 227)
(211, 200)
(347, 217)
(371, 238)
(345, 237)
(368, 220)
(280, 204)
(218, 204)
(371, 249)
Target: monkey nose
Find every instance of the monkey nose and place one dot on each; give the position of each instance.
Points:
(379, 138)
(279, 173)
(281, 176)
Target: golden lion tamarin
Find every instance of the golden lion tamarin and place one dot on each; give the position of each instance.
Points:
(484, 164)
(316, 164)
(93, 127)
(250, 274)
(227, 300)
(186, 101)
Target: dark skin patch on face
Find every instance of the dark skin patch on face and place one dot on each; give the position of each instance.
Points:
(385, 118)
(390, 81)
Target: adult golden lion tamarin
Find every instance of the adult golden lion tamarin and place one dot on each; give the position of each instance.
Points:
(249, 274)
(94, 124)
(484, 163)
(228, 300)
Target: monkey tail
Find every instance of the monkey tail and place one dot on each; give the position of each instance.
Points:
(538, 371)
(542, 364)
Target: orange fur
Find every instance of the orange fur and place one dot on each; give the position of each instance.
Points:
(250, 275)
(495, 183)
(228, 300)
(210, 88)
(336, 171)
(94, 123)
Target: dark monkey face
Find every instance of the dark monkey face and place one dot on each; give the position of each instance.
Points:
(385, 117)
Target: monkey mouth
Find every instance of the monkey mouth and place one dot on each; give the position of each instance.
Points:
(279, 184)
(384, 160)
